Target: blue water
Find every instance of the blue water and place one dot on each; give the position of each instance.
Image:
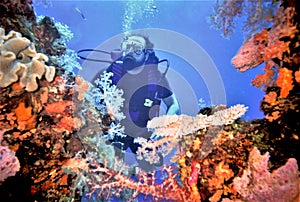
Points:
(103, 20)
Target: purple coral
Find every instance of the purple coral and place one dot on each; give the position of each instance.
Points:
(258, 184)
(9, 164)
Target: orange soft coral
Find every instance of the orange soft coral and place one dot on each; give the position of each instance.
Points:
(276, 49)
(26, 120)
(297, 76)
(262, 79)
(222, 173)
(273, 116)
(58, 107)
(270, 98)
(69, 123)
(284, 81)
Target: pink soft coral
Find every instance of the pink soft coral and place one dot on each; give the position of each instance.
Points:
(258, 184)
(9, 164)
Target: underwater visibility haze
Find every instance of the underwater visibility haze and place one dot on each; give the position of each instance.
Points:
(149, 100)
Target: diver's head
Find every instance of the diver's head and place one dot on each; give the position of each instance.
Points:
(134, 51)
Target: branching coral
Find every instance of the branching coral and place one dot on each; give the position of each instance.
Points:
(19, 61)
(67, 61)
(258, 184)
(258, 14)
(103, 182)
(110, 95)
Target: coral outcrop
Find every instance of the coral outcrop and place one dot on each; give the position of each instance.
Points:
(210, 158)
(48, 37)
(9, 164)
(258, 184)
(19, 61)
(269, 43)
(277, 47)
(18, 15)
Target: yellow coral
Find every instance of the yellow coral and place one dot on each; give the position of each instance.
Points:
(20, 61)
(195, 195)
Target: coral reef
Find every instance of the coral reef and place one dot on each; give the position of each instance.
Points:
(278, 47)
(269, 43)
(171, 129)
(54, 132)
(56, 129)
(102, 182)
(258, 184)
(257, 13)
(219, 153)
(18, 15)
(38, 137)
(47, 37)
(9, 164)
(20, 61)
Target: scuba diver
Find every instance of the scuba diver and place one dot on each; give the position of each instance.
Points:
(135, 71)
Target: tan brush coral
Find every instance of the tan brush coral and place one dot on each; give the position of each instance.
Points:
(20, 61)
(172, 128)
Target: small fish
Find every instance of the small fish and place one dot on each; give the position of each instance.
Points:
(81, 14)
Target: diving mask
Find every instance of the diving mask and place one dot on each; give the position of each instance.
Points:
(134, 44)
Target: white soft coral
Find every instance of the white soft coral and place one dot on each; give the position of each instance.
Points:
(108, 97)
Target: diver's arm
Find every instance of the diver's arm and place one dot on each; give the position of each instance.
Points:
(172, 105)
